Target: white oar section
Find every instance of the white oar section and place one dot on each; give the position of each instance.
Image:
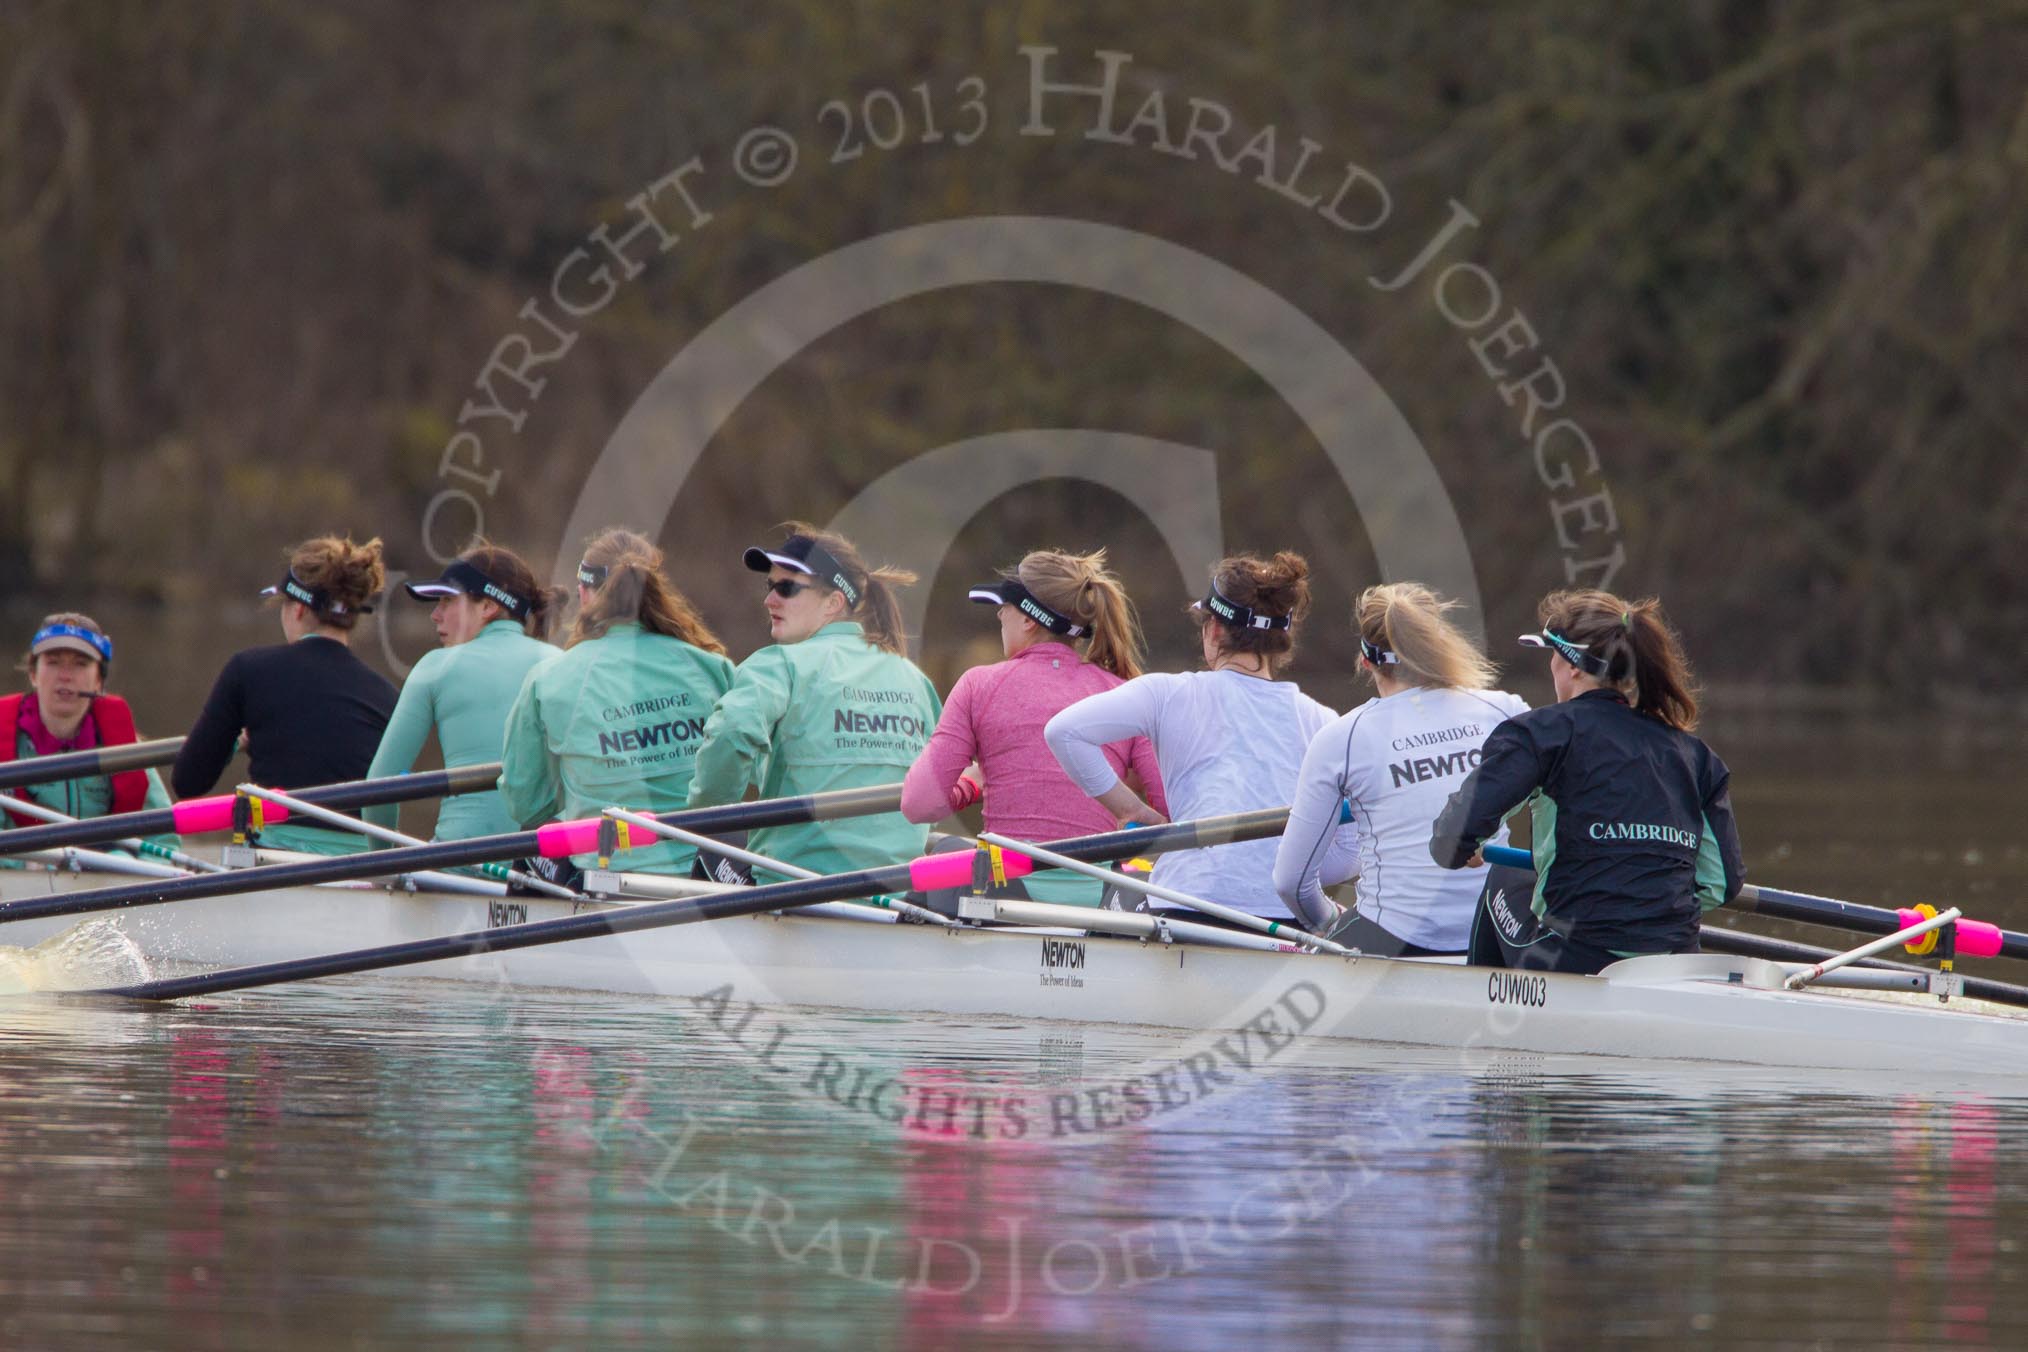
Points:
(1169, 894)
(75, 859)
(298, 807)
(415, 880)
(1886, 941)
(185, 863)
(748, 857)
(633, 888)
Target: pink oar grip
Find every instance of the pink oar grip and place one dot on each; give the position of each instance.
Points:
(1979, 939)
(933, 871)
(1976, 938)
(196, 816)
(558, 839)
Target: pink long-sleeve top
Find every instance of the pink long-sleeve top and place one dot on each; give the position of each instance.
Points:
(995, 716)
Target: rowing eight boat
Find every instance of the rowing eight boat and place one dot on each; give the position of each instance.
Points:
(1709, 1007)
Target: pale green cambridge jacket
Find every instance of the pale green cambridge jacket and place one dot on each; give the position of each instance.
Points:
(464, 693)
(613, 722)
(830, 712)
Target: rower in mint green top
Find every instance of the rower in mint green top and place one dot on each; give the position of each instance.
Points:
(825, 708)
(463, 694)
(491, 616)
(615, 720)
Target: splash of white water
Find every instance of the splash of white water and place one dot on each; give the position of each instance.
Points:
(87, 956)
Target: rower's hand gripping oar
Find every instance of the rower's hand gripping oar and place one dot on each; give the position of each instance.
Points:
(1974, 938)
(554, 841)
(925, 873)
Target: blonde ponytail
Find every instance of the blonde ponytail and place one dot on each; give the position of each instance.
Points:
(1410, 621)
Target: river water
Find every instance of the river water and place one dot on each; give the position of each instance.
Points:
(373, 1162)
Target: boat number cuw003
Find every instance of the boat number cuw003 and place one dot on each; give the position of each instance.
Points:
(1513, 988)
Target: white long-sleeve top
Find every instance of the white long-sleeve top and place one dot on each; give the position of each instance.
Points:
(1396, 760)
(1225, 743)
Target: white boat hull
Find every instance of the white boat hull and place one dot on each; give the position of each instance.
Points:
(1706, 1008)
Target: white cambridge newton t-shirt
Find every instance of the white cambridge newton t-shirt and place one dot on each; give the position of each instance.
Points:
(1397, 761)
(1226, 743)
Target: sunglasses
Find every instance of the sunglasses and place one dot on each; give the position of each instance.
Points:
(787, 587)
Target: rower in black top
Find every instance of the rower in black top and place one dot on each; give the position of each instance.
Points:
(1632, 812)
(310, 711)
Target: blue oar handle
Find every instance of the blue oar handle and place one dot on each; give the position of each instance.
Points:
(1508, 855)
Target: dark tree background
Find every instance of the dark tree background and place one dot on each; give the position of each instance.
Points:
(253, 256)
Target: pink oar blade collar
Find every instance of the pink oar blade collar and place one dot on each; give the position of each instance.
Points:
(198, 816)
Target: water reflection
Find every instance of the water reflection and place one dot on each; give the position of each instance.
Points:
(404, 1162)
(196, 1138)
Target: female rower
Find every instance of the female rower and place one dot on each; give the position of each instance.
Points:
(309, 711)
(615, 720)
(1395, 759)
(492, 618)
(1633, 835)
(833, 704)
(1046, 607)
(1228, 739)
(66, 708)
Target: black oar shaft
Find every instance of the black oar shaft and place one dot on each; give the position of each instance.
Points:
(659, 915)
(1849, 915)
(447, 854)
(104, 760)
(353, 793)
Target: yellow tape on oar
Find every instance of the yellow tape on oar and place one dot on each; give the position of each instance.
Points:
(1922, 945)
(614, 836)
(998, 859)
(252, 822)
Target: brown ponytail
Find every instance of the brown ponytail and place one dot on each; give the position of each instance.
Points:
(636, 589)
(1642, 652)
(350, 575)
(1081, 587)
(508, 569)
(879, 609)
(1272, 587)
